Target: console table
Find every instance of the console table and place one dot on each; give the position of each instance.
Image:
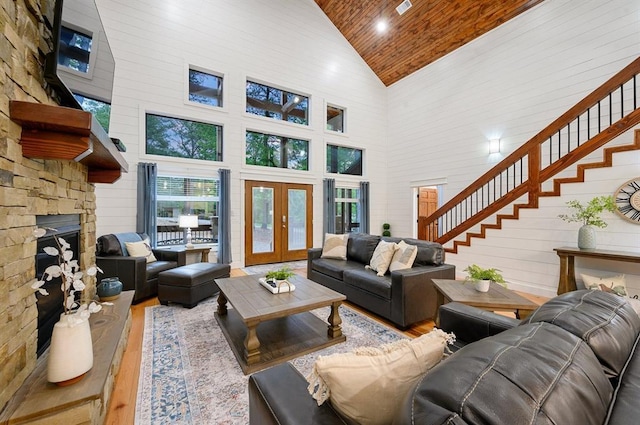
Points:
(567, 281)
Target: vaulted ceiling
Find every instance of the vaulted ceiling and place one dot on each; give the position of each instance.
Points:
(427, 31)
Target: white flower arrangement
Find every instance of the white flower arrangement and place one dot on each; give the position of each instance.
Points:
(69, 271)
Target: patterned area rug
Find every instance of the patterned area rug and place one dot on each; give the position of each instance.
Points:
(188, 374)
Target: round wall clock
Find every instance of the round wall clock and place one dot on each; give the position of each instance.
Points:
(628, 200)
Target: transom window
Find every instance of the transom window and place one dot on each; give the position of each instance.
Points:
(100, 110)
(205, 88)
(178, 196)
(277, 103)
(335, 119)
(343, 160)
(75, 49)
(183, 138)
(269, 150)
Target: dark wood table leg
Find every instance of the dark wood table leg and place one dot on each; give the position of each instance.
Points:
(252, 344)
(567, 280)
(335, 321)
(439, 302)
(222, 304)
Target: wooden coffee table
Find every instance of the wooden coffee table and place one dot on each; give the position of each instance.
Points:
(287, 328)
(498, 298)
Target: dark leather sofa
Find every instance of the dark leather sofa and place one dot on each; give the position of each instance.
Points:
(404, 297)
(574, 361)
(134, 272)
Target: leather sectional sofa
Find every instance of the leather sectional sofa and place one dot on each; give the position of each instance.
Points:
(404, 297)
(574, 361)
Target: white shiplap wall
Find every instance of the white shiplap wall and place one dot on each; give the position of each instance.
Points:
(289, 44)
(510, 84)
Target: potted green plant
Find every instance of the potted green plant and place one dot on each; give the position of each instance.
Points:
(385, 229)
(280, 274)
(589, 216)
(483, 277)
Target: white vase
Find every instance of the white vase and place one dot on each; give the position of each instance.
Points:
(71, 350)
(482, 285)
(587, 237)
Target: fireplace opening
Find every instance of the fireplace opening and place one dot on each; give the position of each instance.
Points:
(67, 227)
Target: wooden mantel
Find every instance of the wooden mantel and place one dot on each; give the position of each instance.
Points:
(57, 132)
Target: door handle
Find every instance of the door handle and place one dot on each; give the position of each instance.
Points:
(284, 221)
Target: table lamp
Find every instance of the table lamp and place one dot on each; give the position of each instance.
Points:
(187, 222)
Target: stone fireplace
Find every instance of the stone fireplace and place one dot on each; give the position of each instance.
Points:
(31, 186)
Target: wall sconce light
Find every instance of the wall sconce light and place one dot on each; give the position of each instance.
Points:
(187, 222)
(494, 146)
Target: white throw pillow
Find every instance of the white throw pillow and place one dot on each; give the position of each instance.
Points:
(140, 249)
(614, 284)
(369, 384)
(404, 257)
(382, 256)
(335, 246)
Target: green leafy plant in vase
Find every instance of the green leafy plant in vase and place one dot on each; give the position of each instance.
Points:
(280, 274)
(589, 216)
(482, 277)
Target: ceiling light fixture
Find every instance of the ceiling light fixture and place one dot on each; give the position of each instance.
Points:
(381, 26)
(403, 7)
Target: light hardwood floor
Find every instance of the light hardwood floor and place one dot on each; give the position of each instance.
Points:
(122, 406)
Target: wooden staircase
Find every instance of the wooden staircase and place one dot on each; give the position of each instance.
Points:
(609, 111)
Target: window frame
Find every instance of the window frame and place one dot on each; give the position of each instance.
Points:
(191, 198)
(189, 66)
(328, 105)
(356, 201)
(342, 175)
(279, 135)
(143, 140)
(308, 126)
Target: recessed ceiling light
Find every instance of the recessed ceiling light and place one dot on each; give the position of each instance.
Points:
(381, 26)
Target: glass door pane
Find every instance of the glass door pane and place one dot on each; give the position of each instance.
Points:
(297, 215)
(263, 223)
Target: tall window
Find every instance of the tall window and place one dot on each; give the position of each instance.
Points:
(335, 119)
(75, 49)
(100, 110)
(269, 150)
(183, 138)
(187, 195)
(277, 104)
(205, 88)
(347, 210)
(342, 160)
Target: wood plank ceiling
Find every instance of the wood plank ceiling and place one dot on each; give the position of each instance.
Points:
(427, 31)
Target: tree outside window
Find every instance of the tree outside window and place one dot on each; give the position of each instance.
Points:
(277, 103)
(269, 150)
(183, 138)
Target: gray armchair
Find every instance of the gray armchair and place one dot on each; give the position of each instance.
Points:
(134, 272)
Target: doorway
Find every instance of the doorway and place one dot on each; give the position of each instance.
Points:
(278, 222)
(427, 205)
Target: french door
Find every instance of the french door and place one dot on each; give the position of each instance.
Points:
(278, 222)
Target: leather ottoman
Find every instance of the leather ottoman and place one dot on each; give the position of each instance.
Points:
(190, 284)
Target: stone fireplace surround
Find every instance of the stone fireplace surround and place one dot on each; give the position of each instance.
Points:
(29, 188)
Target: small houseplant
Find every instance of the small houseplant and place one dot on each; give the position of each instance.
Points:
(283, 273)
(482, 277)
(589, 216)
